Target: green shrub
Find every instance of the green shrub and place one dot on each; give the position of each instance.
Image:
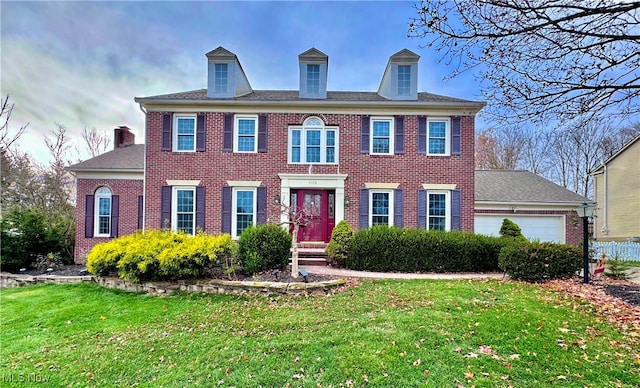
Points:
(340, 244)
(27, 233)
(535, 261)
(159, 255)
(262, 247)
(383, 248)
(511, 231)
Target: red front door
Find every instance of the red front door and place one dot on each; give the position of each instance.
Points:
(319, 208)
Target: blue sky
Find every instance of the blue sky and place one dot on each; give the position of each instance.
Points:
(82, 63)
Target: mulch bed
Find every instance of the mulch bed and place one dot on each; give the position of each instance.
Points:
(630, 293)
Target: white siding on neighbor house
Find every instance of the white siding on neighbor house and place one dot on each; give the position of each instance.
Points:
(535, 227)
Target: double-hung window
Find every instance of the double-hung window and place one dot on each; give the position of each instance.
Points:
(313, 143)
(244, 210)
(103, 210)
(381, 211)
(438, 210)
(438, 136)
(184, 199)
(184, 136)
(221, 77)
(404, 80)
(245, 133)
(313, 79)
(381, 136)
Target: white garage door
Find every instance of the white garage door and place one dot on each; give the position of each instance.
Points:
(543, 228)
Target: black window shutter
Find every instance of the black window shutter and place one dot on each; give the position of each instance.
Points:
(456, 210)
(422, 135)
(140, 211)
(226, 209)
(115, 215)
(399, 133)
(165, 207)
(166, 132)
(261, 217)
(456, 142)
(200, 207)
(201, 135)
(422, 208)
(262, 133)
(227, 140)
(88, 216)
(398, 208)
(364, 134)
(364, 208)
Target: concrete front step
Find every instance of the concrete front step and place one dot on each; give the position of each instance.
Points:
(313, 261)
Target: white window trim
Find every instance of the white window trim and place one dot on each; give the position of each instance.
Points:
(236, 133)
(234, 208)
(96, 212)
(447, 139)
(323, 143)
(174, 207)
(175, 130)
(447, 193)
(391, 205)
(215, 79)
(391, 135)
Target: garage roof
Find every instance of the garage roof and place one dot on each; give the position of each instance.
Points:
(520, 186)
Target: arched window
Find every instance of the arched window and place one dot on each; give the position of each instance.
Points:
(313, 143)
(103, 212)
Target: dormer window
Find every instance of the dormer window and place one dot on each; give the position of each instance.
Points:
(221, 77)
(404, 80)
(313, 74)
(313, 79)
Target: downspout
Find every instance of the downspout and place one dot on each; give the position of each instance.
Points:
(144, 171)
(604, 229)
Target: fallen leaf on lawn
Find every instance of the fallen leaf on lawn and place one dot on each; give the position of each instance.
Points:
(468, 375)
(458, 349)
(563, 329)
(103, 317)
(296, 359)
(471, 355)
(514, 356)
(561, 377)
(425, 372)
(484, 349)
(417, 362)
(298, 376)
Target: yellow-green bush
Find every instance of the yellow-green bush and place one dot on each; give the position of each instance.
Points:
(159, 255)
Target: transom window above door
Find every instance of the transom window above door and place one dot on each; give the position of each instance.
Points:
(313, 143)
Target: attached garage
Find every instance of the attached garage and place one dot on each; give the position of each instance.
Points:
(543, 210)
(534, 227)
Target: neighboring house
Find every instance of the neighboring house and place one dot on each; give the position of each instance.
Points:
(617, 193)
(542, 209)
(222, 158)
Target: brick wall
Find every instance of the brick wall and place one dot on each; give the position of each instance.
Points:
(214, 167)
(128, 190)
(572, 224)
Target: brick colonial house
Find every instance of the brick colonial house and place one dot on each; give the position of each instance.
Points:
(221, 158)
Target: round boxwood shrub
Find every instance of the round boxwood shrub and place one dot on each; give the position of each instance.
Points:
(262, 247)
(536, 262)
(340, 244)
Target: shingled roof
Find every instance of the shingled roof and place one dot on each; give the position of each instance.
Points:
(200, 95)
(520, 186)
(129, 158)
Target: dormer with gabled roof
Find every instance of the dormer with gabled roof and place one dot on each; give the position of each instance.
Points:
(313, 74)
(400, 78)
(225, 78)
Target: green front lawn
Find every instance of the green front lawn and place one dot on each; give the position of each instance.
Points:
(384, 333)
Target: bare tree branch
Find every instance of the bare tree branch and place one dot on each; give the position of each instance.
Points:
(6, 138)
(544, 59)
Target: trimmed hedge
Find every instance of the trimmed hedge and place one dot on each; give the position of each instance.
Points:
(390, 249)
(262, 247)
(535, 261)
(159, 255)
(338, 249)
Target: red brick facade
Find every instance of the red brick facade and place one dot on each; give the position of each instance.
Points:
(213, 167)
(128, 191)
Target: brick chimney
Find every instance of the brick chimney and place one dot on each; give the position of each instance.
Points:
(123, 137)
